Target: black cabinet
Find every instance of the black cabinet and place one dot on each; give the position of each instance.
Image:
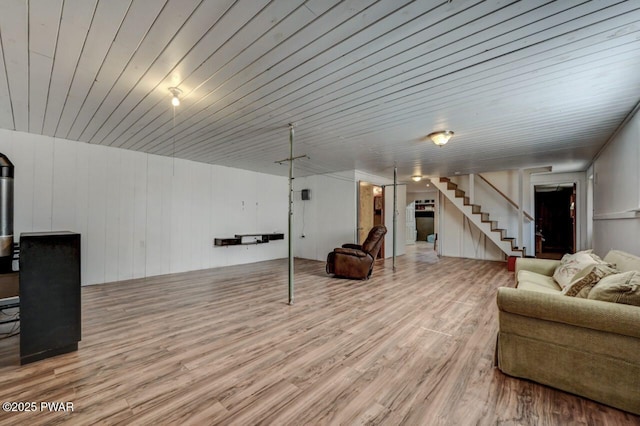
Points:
(49, 294)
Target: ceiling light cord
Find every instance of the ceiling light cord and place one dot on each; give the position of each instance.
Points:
(175, 102)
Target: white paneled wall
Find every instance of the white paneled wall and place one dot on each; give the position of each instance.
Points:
(616, 197)
(329, 218)
(401, 206)
(139, 214)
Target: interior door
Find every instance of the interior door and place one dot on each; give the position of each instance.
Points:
(410, 227)
(555, 215)
(365, 210)
(370, 211)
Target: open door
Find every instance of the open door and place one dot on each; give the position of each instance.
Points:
(555, 207)
(370, 211)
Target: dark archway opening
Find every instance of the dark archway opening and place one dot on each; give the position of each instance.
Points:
(555, 220)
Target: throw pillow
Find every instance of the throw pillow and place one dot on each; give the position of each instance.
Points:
(571, 265)
(569, 256)
(618, 288)
(585, 280)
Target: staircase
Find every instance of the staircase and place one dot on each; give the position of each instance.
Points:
(479, 218)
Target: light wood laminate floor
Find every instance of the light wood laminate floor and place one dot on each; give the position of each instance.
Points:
(222, 346)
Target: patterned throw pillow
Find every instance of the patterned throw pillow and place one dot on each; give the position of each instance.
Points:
(618, 288)
(586, 279)
(571, 265)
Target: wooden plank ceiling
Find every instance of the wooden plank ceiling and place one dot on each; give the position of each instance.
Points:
(522, 83)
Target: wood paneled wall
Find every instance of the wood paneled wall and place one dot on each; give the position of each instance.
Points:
(616, 183)
(140, 214)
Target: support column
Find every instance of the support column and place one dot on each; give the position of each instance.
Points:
(395, 213)
(521, 209)
(291, 214)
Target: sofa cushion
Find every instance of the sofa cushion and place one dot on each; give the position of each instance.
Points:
(623, 261)
(531, 286)
(618, 288)
(585, 280)
(528, 280)
(572, 266)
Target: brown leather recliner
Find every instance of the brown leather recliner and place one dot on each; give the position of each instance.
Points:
(356, 261)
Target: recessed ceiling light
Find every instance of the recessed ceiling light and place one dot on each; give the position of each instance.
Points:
(416, 178)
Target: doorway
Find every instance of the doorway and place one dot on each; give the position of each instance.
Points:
(555, 215)
(425, 219)
(370, 211)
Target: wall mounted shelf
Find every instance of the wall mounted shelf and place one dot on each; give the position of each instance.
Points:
(247, 239)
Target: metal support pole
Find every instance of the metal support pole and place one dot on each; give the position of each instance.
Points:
(395, 213)
(521, 210)
(291, 214)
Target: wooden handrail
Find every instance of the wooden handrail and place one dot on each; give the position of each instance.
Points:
(527, 215)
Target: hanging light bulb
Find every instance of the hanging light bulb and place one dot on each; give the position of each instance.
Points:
(175, 100)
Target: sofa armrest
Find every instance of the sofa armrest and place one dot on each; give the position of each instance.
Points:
(350, 252)
(586, 313)
(541, 266)
(585, 347)
(352, 246)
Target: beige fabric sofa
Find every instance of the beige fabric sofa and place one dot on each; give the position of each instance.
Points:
(586, 347)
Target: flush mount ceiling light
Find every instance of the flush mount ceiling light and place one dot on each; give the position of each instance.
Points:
(440, 138)
(175, 100)
(416, 178)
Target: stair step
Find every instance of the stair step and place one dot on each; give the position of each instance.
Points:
(506, 244)
(519, 250)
